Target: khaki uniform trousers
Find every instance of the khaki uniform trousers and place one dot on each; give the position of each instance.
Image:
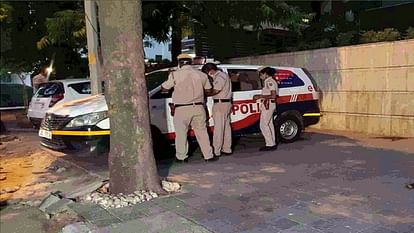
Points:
(266, 124)
(194, 116)
(222, 128)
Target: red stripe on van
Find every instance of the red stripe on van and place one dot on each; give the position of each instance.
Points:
(304, 97)
(300, 97)
(238, 125)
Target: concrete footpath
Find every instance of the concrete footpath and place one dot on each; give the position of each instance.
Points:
(323, 183)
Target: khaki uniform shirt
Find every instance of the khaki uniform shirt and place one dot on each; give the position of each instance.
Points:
(38, 80)
(222, 83)
(270, 85)
(188, 84)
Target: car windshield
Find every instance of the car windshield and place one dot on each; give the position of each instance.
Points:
(155, 79)
(49, 89)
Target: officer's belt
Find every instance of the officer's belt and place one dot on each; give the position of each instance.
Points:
(222, 100)
(182, 105)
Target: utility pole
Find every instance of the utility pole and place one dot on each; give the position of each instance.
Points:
(92, 35)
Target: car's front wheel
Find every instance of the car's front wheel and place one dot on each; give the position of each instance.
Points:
(289, 128)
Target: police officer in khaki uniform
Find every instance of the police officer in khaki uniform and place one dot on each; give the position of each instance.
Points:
(41, 78)
(188, 97)
(221, 109)
(267, 100)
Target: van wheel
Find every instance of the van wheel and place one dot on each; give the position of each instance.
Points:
(289, 128)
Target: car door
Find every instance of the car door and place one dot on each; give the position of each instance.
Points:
(245, 84)
(158, 102)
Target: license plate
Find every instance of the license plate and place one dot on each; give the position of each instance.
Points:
(45, 134)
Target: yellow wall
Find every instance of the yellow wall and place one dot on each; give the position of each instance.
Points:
(365, 88)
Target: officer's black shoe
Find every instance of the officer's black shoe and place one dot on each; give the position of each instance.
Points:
(215, 158)
(268, 148)
(181, 161)
(226, 154)
(410, 186)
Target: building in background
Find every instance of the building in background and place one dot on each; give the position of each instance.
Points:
(156, 51)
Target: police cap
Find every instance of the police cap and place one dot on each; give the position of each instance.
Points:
(184, 56)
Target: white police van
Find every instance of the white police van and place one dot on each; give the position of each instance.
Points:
(86, 120)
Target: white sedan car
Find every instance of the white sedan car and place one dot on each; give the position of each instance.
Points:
(53, 92)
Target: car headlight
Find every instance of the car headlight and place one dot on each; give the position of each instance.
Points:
(88, 119)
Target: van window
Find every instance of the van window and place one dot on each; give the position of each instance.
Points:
(155, 79)
(287, 78)
(49, 89)
(160, 95)
(81, 88)
(315, 85)
(244, 80)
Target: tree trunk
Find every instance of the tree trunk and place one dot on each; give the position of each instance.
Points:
(131, 159)
(175, 40)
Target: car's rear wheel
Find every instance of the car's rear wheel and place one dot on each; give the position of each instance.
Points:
(289, 128)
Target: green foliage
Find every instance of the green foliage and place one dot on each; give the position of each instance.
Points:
(388, 34)
(156, 18)
(409, 33)
(346, 38)
(24, 27)
(66, 27)
(5, 12)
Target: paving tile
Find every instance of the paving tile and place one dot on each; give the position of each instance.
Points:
(145, 205)
(300, 229)
(127, 227)
(84, 207)
(151, 211)
(378, 229)
(402, 227)
(186, 196)
(261, 228)
(218, 225)
(322, 224)
(302, 216)
(351, 223)
(90, 212)
(105, 222)
(220, 211)
(127, 213)
(196, 202)
(251, 222)
(59, 206)
(170, 222)
(171, 203)
(193, 213)
(283, 223)
(340, 229)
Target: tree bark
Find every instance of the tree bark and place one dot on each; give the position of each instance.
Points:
(131, 159)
